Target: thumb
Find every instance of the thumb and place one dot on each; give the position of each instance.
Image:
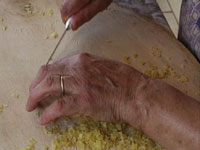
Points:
(65, 106)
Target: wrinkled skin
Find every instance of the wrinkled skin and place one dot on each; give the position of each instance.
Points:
(81, 10)
(112, 91)
(97, 87)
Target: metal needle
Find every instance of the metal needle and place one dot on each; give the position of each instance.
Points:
(67, 27)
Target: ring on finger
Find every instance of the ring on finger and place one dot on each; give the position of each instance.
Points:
(62, 84)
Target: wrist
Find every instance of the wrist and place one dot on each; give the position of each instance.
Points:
(135, 111)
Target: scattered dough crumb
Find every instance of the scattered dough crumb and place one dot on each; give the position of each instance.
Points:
(154, 72)
(27, 5)
(184, 79)
(31, 145)
(1, 108)
(135, 55)
(28, 8)
(5, 27)
(15, 95)
(127, 59)
(50, 12)
(46, 148)
(156, 52)
(54, 35)
(42, 13)
(29, 12)
(142, 62)
(38, 114)
(1, 19)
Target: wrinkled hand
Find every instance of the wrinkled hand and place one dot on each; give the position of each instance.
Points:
(81, 10)
(100, 88)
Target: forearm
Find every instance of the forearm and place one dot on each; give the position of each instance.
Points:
(168, 116)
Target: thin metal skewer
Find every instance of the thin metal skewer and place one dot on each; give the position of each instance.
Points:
(67, 27)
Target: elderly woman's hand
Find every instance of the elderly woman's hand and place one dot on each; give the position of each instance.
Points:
(81, 10)
(100, 88)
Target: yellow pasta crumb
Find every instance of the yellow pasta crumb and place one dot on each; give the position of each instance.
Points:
(46, 148)
(170, 58)
(154, 72)
(54, 35)
(93, 135)
(1, 19)
(135, 55)
(28, 8)
(38, 114)
(157, 53)
(5, 27)
(184, 78)
(42, 13)
(31, 145)
(1, 108)
(127, 59)
(51, 12)
(142, 62)
(15, 95)
(29, 12)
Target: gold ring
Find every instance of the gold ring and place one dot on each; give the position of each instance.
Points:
(62, 84)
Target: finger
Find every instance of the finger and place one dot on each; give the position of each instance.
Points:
(41, 74)
(62, 107)
(45, 70)
(69, 7)
(50, 86)
(88, 12)
(47, 86)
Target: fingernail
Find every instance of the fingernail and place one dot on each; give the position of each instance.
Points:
(27, 107)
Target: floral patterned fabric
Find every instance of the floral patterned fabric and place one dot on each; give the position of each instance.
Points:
(189, 27)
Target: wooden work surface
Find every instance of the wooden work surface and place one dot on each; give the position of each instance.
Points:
(115, 33)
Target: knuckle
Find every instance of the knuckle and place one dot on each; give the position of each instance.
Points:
(83, 56)
(43, 69)
(50, 81)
